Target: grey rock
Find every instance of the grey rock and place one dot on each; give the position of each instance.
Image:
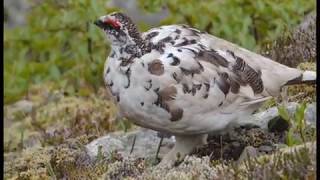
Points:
(146, 144)
(248, 152)
(280, 146)
(15, 12)
(263, 118)
(16, 111)
(24, 106)
(266, 149)
(311, 114)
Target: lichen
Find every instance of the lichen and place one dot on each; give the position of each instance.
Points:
(68, 160)
(232, 143)
(295, 46)
(49, 141)
(29, 164)
(303, 92)
(296, 163)
(66, 117)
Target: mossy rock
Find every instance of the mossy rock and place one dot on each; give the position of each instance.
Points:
(66, 117)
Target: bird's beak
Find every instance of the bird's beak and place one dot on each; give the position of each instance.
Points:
(100, 24)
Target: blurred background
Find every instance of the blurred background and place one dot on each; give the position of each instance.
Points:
(54, 44)
(57, 113)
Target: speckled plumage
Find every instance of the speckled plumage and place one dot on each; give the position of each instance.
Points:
(179, 80)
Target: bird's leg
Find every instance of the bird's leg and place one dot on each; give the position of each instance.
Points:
(183, 146)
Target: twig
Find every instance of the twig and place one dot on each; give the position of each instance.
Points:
(211, 154)
(158, 149)
(221, 152)
(133, 143)
(50, 171)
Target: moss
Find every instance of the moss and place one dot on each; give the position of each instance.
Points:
(128, 168)
(296, 163)
(191, 168)
(62, 118)
(232, 144)
(68, 160)
(295, 46)
(71, 161)
(50, 143)
(50, 140)
(303, 92)
(29, 164)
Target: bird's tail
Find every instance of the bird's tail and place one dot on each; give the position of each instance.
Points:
(307, 77)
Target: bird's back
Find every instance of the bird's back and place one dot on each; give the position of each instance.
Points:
(192, 82)
(273, 74)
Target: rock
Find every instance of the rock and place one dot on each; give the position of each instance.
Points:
(17, 111)
(146, 144)
(266, 149)
(23, 106)
(109, 143)
(248, 151)
(311, 114)
(15, 12)
(280, 146)
(263, 119)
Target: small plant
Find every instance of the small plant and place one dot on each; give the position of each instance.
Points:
(50, 171)
(100, 155)
(297, 124)
(58, 43)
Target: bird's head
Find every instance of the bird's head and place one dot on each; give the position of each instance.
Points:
(119, 28)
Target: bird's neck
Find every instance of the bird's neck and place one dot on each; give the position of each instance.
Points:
(137, 47)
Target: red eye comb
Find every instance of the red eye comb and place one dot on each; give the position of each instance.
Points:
(115, 24)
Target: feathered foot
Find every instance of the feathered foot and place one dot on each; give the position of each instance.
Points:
(183, 146)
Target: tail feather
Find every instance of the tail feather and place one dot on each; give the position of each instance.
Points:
(307, 77)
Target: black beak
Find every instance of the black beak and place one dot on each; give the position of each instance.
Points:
(100, 24)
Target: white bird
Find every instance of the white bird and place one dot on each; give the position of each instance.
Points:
(179, 80)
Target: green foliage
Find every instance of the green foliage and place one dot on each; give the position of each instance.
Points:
(247, 23)
(283, 113)
(297, 123)
(59, 44)
(294, 163)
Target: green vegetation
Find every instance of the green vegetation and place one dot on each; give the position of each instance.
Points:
(60, 44)
(298, 132)
(261, 21)
(56, 61)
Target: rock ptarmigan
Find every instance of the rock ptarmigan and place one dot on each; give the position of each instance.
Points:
(179, 80)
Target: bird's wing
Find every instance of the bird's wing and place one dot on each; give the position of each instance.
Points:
(273, 75)
(191, 78)
(196, 76)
